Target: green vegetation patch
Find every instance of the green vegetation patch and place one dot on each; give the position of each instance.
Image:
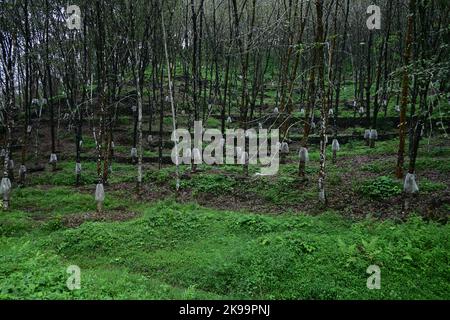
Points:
(380, 188)
(188, 252)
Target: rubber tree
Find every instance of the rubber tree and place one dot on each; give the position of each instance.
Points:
(140, 54)
(244, 55)
(429, 66)
(101, 106)
(317, 54)
(405, 88)
(49, 93)
(322, 98)
(381, 98)
(8, 42)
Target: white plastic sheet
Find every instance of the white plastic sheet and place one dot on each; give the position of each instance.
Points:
(322, 195)
(99, 193)
(77, 168)
(284, 148)
(304, 154)
(53, 158)
(335, 145)
(5, 186)
(410, 185)
(22, 169)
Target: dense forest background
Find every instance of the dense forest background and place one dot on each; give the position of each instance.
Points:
(91, 92)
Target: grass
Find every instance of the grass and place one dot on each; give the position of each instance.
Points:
(58, 199)
(189, 252)
(65, 175)
(282, 191)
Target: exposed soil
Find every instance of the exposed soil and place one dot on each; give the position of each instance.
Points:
(75, 220)
(341, 197)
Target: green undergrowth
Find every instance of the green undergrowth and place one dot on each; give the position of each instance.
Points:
(380, 188)
(65, 174)
(184, 251)
(188, 252)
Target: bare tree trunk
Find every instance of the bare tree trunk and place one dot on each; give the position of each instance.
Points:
(324, 104)
(339, 67)
(405, 90)
(171, 97)
(27, 94)
(50, 89)
(101, 91)
(369, 77)
(331, 77)
(383, 55)
(9, 51)
(309, 112)
(245, 56)
(139, 129)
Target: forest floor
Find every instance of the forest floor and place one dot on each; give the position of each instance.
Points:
(229, 236)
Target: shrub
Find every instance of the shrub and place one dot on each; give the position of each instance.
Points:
(380, 188)
(430, 186)
(211, 184)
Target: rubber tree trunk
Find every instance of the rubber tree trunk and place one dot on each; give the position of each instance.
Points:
(324, 104)
(405, 90)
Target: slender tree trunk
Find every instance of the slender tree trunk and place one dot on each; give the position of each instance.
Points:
(324, 104)
(405, 90)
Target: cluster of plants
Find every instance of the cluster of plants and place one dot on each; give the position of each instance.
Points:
(380, 188)
(185, 251)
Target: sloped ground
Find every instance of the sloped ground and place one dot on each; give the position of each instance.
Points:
(184, 251)
(251, 238)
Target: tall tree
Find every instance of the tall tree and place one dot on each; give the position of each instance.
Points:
(405, 88)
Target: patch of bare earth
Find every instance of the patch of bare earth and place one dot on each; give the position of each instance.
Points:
(75, 220)
(234, 202)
